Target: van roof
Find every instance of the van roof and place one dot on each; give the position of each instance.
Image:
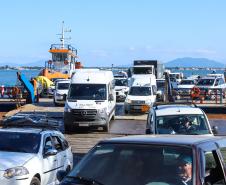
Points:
(93, 77)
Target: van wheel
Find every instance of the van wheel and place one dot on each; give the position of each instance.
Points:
(35, 181)
(68, 128)
(106, 127)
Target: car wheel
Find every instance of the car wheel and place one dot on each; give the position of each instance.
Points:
(113, 116)
(56, 104)
(148, 131)
(35, 181)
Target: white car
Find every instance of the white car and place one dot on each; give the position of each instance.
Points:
(211, 85)
(178, 119)
(61, 90)
(33, 156)
(121, 88)
(185, 87)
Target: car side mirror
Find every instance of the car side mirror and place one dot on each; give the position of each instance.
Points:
(215, 129)
(50, 152)
(111, 97)
(60, 175)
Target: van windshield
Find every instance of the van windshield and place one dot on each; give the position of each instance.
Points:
(140, 91)
(87, 92)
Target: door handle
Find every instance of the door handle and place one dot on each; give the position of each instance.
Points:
(55, 160)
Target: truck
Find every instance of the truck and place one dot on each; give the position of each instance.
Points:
(145, 66)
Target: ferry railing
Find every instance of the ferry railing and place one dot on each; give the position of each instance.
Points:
(66, 46)
(204, 96)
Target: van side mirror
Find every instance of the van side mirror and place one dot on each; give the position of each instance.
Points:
(111, 97)
(61, 174)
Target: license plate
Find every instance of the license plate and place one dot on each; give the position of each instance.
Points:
(83, 124)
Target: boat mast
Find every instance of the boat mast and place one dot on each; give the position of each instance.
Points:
(62, 38)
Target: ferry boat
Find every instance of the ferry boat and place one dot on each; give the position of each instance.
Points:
(64, 59)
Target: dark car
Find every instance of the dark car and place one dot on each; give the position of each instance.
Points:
(152, 160)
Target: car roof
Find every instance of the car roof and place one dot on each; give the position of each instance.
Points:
(62, 81)
(164, 139)
(164, 110)
(28, 130)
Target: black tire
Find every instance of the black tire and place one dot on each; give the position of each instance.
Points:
(113, 116)
(106, 127)
(35, 181)
(148, 131)
(68, 128)
(126, 111)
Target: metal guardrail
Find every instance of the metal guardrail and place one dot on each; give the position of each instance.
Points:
(207, 96)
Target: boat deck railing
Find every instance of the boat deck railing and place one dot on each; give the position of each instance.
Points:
(66, 46)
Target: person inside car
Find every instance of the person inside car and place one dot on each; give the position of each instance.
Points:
(185, 170)
(186, 126)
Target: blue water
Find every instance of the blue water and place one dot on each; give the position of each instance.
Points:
(9, 77)
(201, 72)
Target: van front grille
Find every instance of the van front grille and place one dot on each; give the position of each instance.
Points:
(88, 113)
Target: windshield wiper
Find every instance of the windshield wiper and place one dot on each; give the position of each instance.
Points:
(86, 180)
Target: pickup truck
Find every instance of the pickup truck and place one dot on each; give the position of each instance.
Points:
(152, 160)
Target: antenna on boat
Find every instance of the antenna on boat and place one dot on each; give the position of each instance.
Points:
(62, 38)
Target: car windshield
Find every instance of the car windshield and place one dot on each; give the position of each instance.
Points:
(87, 92)
(182, 124)
(19, 142)
(140, 91)
(132, 164)
(63, 86)
(187, 82)
(121, 82)
(207, 82)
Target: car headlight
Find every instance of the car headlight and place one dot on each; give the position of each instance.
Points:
(57, 94)
(17, 171)
(102, 111)
(128, 101)
(148, 102)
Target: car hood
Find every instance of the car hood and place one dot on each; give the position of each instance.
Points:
(185, 86)
(13, 159)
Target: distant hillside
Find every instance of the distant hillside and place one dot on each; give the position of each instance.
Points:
(194, 62)
(39, 63)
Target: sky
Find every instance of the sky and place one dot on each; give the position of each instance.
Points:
(107, 32)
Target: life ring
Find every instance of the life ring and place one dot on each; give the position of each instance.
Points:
(15, 92)
(195, 92)
(65, 62)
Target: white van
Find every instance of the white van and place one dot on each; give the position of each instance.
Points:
(142, 94)
(91, 99)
